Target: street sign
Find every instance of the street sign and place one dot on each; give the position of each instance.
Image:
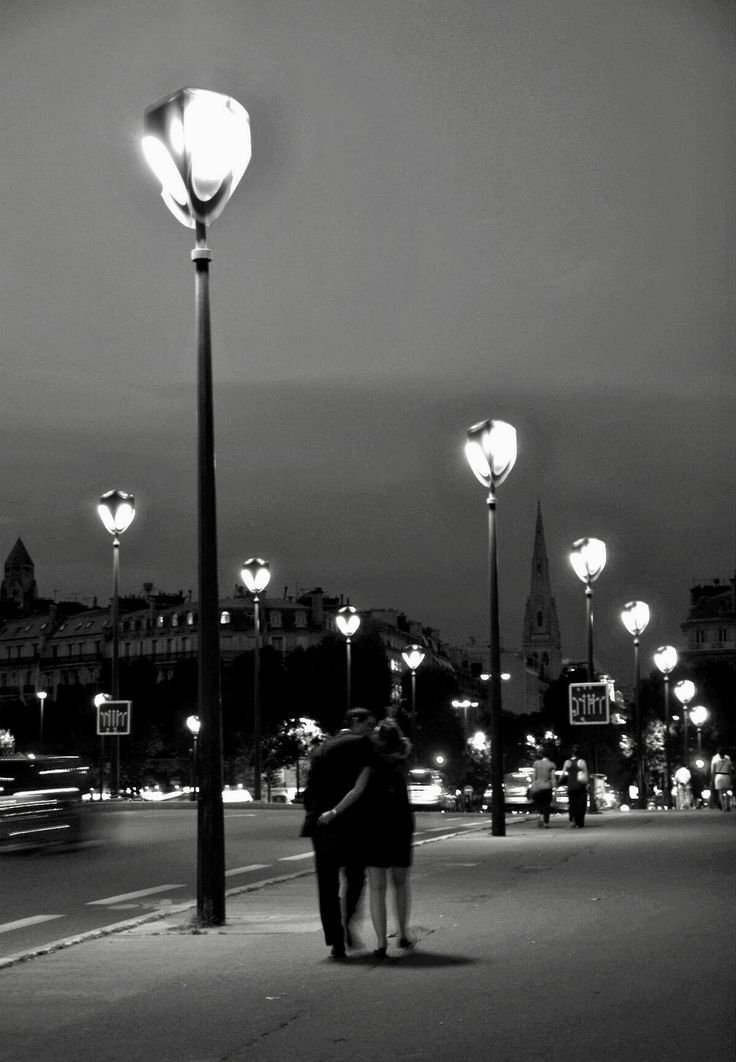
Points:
(589, 703)
(113, 717)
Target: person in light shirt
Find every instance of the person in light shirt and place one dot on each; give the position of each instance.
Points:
(721, 778)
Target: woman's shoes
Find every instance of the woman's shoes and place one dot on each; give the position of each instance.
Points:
(379, 953)
(404, 942)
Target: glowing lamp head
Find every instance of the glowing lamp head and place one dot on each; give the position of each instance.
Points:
(635, 617)
(665, 658)
(194, 723)
(256, 575)
(116, 510)
(698, 715)
(491, 451)
(588, 558)
(198, 145)
(347, 620)
(685, 691)
(413, 656)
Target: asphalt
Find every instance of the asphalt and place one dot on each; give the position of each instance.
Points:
(616, 941)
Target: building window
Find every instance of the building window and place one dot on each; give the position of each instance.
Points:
(274, 619)
(300, 619)
(160, 621)
(540, 619)
(190, 619)
(722, 634)
(700, 637)
(175, 620)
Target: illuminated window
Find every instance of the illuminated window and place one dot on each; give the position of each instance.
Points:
(224, 617)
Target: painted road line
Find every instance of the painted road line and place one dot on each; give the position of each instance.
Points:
(133, 895)
(244, 870)
(302, 855)
(23, 923)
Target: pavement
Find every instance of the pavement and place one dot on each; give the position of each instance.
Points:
(616, 941)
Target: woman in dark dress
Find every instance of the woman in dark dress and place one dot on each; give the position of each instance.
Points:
(390, 825)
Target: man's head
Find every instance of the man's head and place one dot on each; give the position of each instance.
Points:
(359, 720)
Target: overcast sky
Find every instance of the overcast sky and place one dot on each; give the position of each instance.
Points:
(517, 209)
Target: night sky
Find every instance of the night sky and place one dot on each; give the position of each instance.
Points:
(483, 208)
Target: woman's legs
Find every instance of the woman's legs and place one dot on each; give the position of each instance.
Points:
(377, 885)
(400, 876)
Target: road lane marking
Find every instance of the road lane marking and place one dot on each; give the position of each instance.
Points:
(244, 870)
(302, 855)
(23, 923)
(133, 895)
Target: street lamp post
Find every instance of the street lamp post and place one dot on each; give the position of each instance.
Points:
(465, 704)
(413, 656)
(684, 691)
(491, 453)
(256, 575)
(665, 659)
(347, 621)
(635, 617)
(588, 559)
(98, 700)
(194, 724)
(698, 717)
(42, 695)
(198, 145)
(116, 510)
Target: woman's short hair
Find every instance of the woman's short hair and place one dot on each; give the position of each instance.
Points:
(389, 736)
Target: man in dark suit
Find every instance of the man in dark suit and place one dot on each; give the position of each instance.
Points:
(334, 769)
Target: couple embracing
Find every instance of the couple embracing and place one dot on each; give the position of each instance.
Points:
(359, 817)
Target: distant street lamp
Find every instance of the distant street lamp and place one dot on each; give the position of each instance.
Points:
(116, 510)
(635, 617)
(464, 704)
(684, 691)
(347, 621)
(42, 695)
(491, 453)
(665, 659)
(698, 717)
(413, 656)
(98, 700)
(194, 725)
(256, 575)
(198, 145)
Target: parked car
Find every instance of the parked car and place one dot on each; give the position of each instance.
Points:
(605, 795)
(41, 800)
(426, 788)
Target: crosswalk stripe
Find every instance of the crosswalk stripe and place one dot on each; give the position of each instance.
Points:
(244, 870)
(302, 855)
(133, 895)
(23, 923)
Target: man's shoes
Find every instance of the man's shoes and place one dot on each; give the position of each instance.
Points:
(337, 952)
(379, 954)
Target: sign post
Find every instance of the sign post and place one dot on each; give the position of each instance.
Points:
(113, 717)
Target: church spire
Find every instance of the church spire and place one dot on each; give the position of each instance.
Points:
(541, 635)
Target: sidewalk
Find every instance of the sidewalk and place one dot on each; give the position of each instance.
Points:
(615, 941)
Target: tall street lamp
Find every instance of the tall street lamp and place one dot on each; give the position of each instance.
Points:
(256, 575)
(116, 510)
(464, 704)
(194, 724)
(347, 621)
(684, 691)
(635, 617)
(198, 145)
(491, 453)
(588, 559)
(665, 659)
(413, 656)
(698, 717)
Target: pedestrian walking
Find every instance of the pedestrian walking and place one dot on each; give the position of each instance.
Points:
(542, 786)
(721, 773)
(575, 777)
(336, 827)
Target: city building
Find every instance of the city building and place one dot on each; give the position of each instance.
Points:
(710, 627)
(540, 641)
